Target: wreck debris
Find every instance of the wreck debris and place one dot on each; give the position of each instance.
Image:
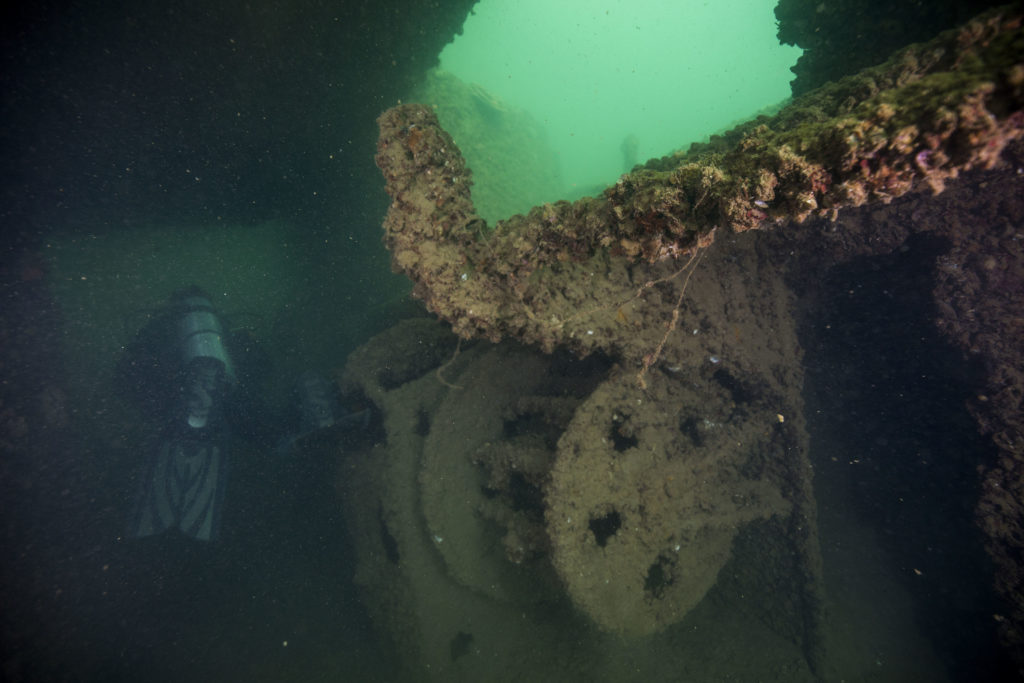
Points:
(980, 309)
(839, 39)
(546, 477)
(621, 491)
(642, 514)
(930, 112)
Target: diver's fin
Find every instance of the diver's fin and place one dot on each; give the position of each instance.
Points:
(184, 489)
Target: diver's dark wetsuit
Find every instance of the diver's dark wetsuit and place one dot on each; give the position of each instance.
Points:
(181, 370)
(198, 384)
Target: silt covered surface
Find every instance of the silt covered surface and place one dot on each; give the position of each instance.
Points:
(674, 473)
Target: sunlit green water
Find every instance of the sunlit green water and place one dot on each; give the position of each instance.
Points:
(621, 81)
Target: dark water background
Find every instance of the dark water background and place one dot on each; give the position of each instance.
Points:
(123, 121)
(135, 114)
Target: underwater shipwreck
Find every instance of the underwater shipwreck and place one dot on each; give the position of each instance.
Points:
(609, 429)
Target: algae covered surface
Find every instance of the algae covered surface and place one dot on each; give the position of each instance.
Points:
(753, 411)
(683, 463)
(931, 112)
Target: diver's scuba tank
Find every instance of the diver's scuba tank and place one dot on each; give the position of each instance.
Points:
(206, 364)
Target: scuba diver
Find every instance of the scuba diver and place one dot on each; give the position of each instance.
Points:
(197, 381)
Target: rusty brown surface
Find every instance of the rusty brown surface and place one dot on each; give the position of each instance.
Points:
(931, 112)
(655, 275)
